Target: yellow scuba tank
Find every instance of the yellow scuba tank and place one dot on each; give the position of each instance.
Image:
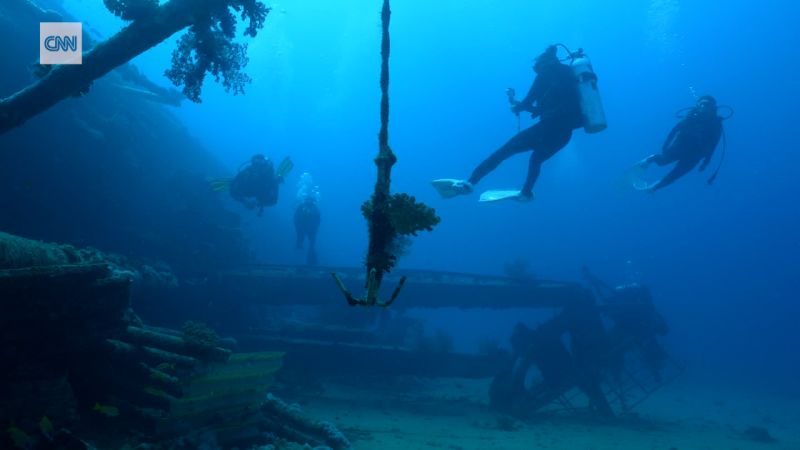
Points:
(285, 167)
(220, 184)
(594, 119)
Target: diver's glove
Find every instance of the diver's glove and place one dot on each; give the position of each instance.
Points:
(519, 107)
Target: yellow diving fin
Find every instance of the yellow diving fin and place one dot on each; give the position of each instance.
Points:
(285, 167)
(220, 184)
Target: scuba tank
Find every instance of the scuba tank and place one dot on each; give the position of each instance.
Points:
(594, 119)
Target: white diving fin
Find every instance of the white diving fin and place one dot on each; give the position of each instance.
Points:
(497, 195)
(451, 187)
(634, 177)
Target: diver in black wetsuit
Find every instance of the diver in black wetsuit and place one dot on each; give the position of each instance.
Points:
(636, 322)
(306, 224)
(580, 364)
(554, 98)
(307, 216)
(257, 184)
(692, 140)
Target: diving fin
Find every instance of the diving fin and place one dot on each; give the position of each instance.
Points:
(643, 186)
(220, 184)
(502, 194)
(284, 168)
(633, 177)
(451, 187)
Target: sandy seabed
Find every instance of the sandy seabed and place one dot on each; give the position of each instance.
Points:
(452, 414)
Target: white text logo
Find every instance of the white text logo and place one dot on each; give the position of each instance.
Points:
(60, 43)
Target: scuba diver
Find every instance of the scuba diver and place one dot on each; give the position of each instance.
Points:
(636, 322)
(307, 216)
(257, 183)
(692, 140)
(567, 351)
(563, 97)
(587, 345)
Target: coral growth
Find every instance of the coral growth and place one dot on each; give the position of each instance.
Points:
(199, 337)
(408, 217)
(208, 47)
(288, 422)
(158, 274)
(400, 217)
(131, 9)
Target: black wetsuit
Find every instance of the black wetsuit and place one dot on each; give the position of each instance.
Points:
(554, 97)
(257, 181)
(693, 139)
(306, 223)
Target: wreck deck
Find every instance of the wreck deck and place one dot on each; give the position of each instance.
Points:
(297, 285)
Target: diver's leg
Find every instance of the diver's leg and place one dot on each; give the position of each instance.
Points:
(534, 169)
(667, 156)
(683, 167)
(659, 158)
(298, 231)
(521, 142)
(663, 160)
(546, 143)
(647, 161)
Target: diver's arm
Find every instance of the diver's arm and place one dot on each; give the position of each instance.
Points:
(712, 147)
(271, 199)
(600, 286)
(314, 216)
(706, 160)
(235, 189)
(534, 94)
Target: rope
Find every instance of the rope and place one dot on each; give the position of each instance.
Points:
(383, 136)
(381, 232)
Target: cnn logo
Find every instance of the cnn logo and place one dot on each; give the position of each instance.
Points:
(60, 43)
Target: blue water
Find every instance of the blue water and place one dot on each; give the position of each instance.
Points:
(722, 260)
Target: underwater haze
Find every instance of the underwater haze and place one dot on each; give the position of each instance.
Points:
(722, 260)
